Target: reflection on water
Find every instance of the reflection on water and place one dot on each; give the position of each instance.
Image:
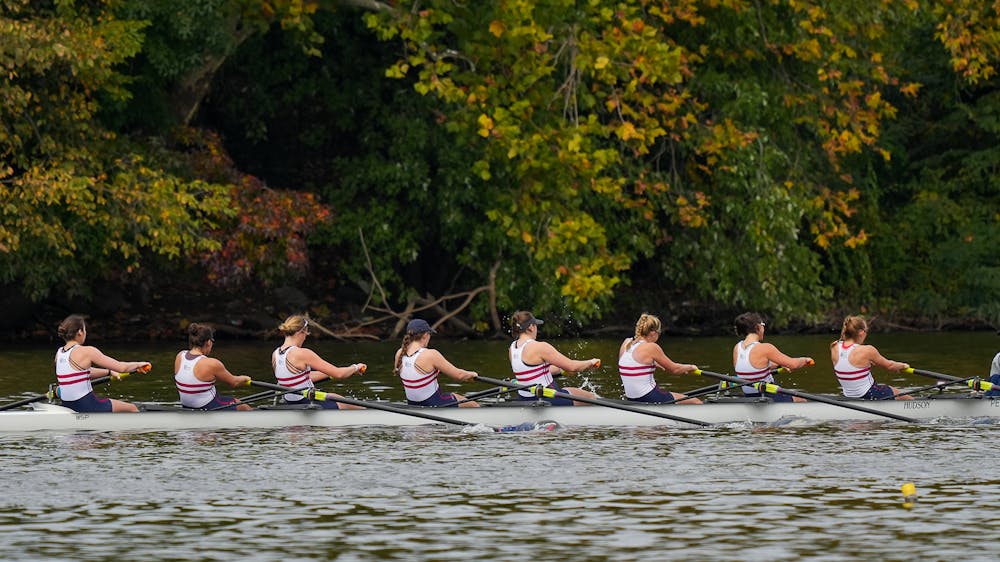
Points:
(828, 491)
(794, 490)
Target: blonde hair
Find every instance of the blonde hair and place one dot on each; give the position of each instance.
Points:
(853, 325)
(647, 323)
(407, 339)
(293, 324)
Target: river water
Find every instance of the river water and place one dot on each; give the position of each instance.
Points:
(801, 491)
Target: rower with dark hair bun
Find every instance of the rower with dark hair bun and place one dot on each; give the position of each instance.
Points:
(753, 359)
(74, 365)
(195, 374)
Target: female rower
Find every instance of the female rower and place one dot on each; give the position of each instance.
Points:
(638, 358)
(852, 362)
(534, 362)
(753, 359)
(74, 369)
(196, 373)
(418, 366)
(300, 368)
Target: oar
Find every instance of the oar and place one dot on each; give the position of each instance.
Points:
(499, 390)
(249, 399)
(550, 393)
(313, 394)
(937, 386)
(485, 394)
(50, 395)
(975, 383)
(724, 386)
(773, 388)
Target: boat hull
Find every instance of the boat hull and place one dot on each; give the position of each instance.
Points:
(48, 417)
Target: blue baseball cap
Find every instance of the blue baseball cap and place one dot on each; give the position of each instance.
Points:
(419, 326)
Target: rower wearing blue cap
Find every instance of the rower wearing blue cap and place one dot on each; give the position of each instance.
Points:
(419, 366)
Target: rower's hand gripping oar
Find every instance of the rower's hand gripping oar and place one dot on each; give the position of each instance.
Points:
(314, 394)
(975, 383)
(550, 393)
(772, 388)
(99, 380)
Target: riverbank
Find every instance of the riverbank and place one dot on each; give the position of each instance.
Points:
(166, 314)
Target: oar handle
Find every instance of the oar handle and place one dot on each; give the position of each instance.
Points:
(975, 383)
(550, 393)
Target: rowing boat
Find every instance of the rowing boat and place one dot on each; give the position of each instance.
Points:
(51, 417)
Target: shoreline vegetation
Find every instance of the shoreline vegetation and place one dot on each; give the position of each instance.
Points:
(255, 316)
(234, 162)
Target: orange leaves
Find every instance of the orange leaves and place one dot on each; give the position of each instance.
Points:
(692, 214)
(968, 29)
(834, 208)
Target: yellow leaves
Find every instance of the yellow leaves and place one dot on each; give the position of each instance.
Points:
(627, 131)
(485, 125)
(574, 143)
(397, 70)
(601, 62)
(497, 28)
(911, 89)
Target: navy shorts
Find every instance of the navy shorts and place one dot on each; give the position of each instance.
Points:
(325, 404)
(220, 402)
(439, 399)
(555, 400)
(879, 392)
(779, 397)
(89, 403)
(995, 391)
(655, 396)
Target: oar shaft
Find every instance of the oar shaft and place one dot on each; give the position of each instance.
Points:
(485, 394)
(974, 383)
(364, 404)
(932, 374)
(594, 401)
(813, 397)
(937, 386)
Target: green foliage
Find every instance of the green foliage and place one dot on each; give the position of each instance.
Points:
(80, 201)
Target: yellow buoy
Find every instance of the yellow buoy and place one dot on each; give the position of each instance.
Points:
(909, 494)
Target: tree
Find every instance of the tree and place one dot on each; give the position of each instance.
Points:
(613, 133)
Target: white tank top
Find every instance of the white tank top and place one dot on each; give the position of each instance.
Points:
(637, 378)
(748, 372)
(194, 393)
(74, 383)
(299, 380)
(528, 374)
(419, 386)
(854, 381)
